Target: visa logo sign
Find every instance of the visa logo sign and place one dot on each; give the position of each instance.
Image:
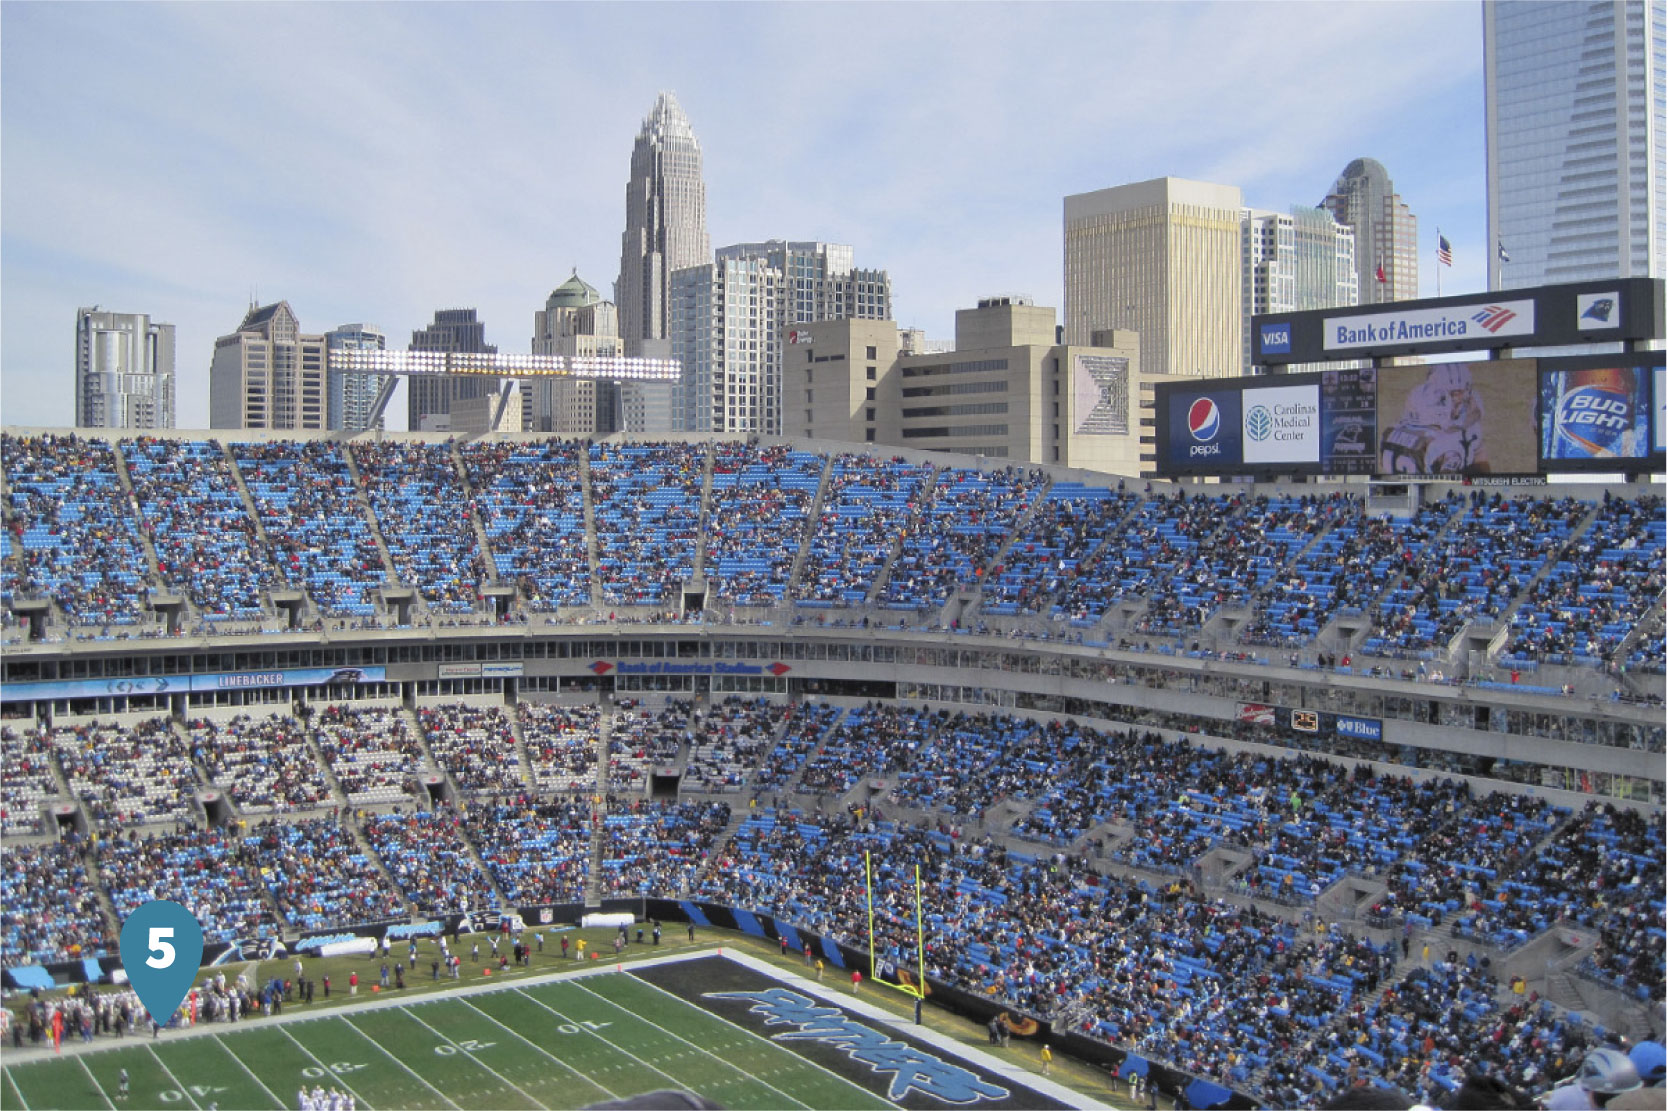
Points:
(1277, 339)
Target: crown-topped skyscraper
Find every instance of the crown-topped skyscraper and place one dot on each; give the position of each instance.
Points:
(666, 223)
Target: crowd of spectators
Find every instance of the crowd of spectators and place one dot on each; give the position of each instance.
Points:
(207, 545)
(418, 498)
(966, 520)
(49, 909)
(646, 506)
(807, 724)
(728, 741)
(561, 743)
(537, 851)
(866, 506)
(476, 744)
(72, 527)
(641, 739)
(128, 775)
(374, 756)
(652, 846)
(1473, 570)
(761, 498)
(209, 872)
(428, 855)
(29, 784)
(1057, 547)
(316, 530)
(1579, 581)
(264, 765)
(531, 502)
(1598, 590)
(318, 874)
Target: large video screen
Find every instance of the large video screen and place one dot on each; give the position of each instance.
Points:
(1457, 420)
(1598, 412)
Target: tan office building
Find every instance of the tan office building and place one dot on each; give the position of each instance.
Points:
(268, 375)
(1007, 390)
(1160, 258)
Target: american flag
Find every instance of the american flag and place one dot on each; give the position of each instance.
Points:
(1444, 250)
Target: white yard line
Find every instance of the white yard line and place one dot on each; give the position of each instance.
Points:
(96, 1084)
(374, 1044)
(356, 1092)
(714, 1056)
(228, 1051)
(676, 1083)
(171, 1076)
(504, 1079)
(583, 1076)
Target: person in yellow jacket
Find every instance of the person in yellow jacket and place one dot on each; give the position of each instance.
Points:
(1047, 1059)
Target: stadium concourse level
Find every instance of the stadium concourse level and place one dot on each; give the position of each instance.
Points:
(1125, 884)
(555, 530)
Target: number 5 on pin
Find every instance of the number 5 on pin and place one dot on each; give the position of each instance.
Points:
(162, 947)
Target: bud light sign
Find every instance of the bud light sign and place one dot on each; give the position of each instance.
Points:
(1204, 430)
(1594, 415)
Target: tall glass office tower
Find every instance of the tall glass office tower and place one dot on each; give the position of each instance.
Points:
(666, 223)
(1575, 112)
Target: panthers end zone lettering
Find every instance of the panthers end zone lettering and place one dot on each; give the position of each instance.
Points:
(911, 1068)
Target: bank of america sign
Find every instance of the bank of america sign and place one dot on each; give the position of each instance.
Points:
(1498, 320)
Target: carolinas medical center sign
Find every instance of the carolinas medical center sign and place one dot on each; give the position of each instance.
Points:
(1496, 320)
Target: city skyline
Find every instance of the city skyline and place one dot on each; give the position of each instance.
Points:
(385, 184)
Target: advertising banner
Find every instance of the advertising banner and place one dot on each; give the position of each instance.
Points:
(1204, 430)
(1495, 320)
(1457, 419)
(1602, 414)
(1349, 421)
(1282, 424)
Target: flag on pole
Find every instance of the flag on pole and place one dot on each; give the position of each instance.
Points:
(1444, 250)
(1500, 249)
(1381, 278)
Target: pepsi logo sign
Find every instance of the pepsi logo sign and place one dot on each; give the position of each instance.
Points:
(1204, 420)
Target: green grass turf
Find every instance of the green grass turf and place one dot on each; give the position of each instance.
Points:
(560, 1044)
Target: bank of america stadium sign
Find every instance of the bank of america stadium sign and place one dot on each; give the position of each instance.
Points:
(1496, 320)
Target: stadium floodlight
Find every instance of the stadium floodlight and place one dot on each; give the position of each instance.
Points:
(479, 364)
(917, 990)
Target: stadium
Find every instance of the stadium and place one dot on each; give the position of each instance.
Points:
(1246, 792)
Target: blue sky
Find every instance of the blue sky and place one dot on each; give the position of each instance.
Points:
(376, 162)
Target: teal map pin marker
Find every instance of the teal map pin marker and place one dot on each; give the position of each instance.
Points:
(162, 948)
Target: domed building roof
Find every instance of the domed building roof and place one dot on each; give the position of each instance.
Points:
(575, 293)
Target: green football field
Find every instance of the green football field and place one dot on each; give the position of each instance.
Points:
(562, 1043)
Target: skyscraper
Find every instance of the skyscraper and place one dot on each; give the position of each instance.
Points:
(267, 374)
(727, 327)
(666, 223)
(823, 282)
(352, 397)
(124, 370)
(453, 330)
(1299, 260)
(576, 321)
(1575, 113)
(1386, 232)
(1161, 258)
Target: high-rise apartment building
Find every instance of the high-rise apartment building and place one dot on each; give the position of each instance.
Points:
(1160, 258)
(728, 322)
(267, 374)
(454, 331)
(352, 397)
(1575, 108)
(822, 281)
(1299, 260)
(666, 224)
(1365, 200)
(124, 370)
